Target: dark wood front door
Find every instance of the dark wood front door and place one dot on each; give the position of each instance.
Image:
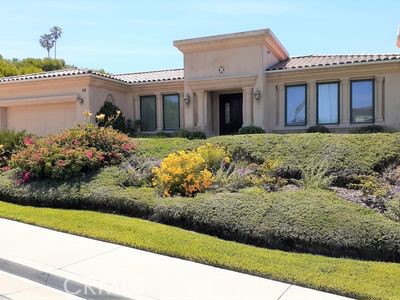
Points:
(230, 113)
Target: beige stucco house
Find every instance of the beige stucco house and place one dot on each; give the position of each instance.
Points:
(228, 81)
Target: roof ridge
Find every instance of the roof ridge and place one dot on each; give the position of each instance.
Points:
(145, 72)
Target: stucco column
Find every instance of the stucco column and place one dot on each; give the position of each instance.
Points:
(3, 117)
(281, 105)
(311, 103)
(379, 99)
(345, 105)
(200, 95)
(159, 108)
(247, 106)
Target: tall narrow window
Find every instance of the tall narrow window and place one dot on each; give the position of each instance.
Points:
(171, 112)
(148, 113)
(362, 101)
(328, 103)
(296, 105)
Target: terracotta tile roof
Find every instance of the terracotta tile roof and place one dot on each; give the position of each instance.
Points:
(315, 61)
(152, 76)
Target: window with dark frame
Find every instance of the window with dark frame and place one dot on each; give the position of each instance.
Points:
(148, 113)
(362, 101)
(295, 105)
(328, 103)
(171, 111)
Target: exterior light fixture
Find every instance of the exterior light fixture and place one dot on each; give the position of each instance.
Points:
(257, 94)
(79, 99)
(187, 99)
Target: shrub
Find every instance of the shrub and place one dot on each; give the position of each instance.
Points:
(80, 149)
(393, 209)
(371, 185)
(110, 115)
(316, 176)
(318, 128)
(190, 135)
(213, 156)
(251, 130)
(182, 173)
(10, 141)
(369, 129)
(137, 171)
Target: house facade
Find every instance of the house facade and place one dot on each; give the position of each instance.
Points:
(228, 81)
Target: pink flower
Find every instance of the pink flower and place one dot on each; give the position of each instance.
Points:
(126, 147)
(26, 176)
(28, 140)
(5, 168)
(89, 154)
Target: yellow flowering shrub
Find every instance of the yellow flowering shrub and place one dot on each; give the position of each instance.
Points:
(213, 155)
(182, 173)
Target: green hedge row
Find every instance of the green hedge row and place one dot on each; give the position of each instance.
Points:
(313, 221)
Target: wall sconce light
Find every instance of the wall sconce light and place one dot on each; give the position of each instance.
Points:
(187, 99)
(257, 94)
(79, 99)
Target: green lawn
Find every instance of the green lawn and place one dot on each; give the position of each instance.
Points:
(361, 279)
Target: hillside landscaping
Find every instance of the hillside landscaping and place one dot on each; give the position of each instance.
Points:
(334, 195)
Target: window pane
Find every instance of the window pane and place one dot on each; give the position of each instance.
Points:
(362, 101)
(148, 113)
(171, 112)
(227, 113)
(296, 105)
(328, 112)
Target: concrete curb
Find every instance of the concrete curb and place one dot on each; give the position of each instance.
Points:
(58, 282)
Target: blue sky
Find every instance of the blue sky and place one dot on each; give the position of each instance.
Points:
(126, 36)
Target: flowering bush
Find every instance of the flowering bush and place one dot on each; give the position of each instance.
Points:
(213, 155)
(182, 173)
(110, 115)
(61, 156)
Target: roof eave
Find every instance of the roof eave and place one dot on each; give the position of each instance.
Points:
(331, 66)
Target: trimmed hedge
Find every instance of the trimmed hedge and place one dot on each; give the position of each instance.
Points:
(318, 128)
(251, 130)
(313, 221)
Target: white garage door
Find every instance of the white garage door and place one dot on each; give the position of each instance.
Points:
(41, 119)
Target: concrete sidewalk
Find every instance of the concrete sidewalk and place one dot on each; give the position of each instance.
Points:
(72, 263)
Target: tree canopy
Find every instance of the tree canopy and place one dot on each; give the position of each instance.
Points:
(12, 67)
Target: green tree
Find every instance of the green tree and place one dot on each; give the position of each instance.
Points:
(47, 42)
(56, 33)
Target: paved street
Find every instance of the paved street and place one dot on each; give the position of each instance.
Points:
(64, 261)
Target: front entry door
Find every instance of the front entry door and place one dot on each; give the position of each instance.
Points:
(230, 113)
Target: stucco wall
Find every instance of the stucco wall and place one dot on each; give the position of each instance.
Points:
(387, 94)
(43, 106)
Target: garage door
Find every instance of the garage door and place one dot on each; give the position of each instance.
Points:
(41, 119)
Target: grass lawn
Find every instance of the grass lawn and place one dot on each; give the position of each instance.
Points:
(360, 279)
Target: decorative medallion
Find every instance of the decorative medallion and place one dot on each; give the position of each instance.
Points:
(110, 98)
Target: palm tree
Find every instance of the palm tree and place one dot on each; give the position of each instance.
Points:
(56, 33)
(47, 42)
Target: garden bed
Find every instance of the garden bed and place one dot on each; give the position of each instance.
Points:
(245, 198)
